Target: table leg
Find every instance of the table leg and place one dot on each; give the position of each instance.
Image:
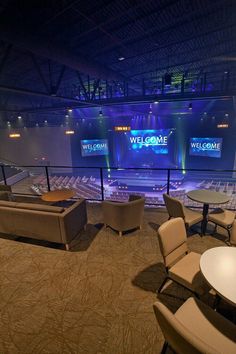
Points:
(204, 221)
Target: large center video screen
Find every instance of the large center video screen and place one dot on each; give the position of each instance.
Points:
(208, 147)
(142, 148)
(149, 140)
(94, 147)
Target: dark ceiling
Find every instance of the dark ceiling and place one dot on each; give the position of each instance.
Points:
(57, 53)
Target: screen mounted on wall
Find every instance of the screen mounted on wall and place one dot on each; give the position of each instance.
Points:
(94, 147)
(208, 147)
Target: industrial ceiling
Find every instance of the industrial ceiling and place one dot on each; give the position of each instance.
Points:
(56, 54)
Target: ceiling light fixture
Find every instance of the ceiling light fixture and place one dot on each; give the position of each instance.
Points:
(14, 135)
(121, 58)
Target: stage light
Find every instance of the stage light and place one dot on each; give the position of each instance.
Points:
(156, 102)
(19, 117)
(67, 116)
(190, 106)
(100, 113)
(37, 124)
(150, 112)
(14, 135)
(69, 110)
(121, 58)
(223, 125)
(69, 132)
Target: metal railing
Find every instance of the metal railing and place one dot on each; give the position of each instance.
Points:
(102, 183)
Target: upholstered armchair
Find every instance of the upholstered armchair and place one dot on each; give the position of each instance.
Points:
(123, 216)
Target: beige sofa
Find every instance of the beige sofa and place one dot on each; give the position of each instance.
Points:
(43, 222)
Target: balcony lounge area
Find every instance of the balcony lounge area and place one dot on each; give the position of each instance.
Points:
(96, 298)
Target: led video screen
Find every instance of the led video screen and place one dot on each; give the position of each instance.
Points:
(143, 148)
(94, 147)
(148, 140)
(208, 147)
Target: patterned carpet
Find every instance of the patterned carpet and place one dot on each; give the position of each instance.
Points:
(95, 299)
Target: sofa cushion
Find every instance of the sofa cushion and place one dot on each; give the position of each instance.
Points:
(6, 203)
(31, 206)
(4, 195)
(40, 207)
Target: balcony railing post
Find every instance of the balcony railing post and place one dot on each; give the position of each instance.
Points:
(3, 174)
(101, 178)
(168, 181)
(47, 176)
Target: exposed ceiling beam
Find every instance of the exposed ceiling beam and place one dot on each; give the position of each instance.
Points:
(48, 48)
(130, 100)
(24, 91)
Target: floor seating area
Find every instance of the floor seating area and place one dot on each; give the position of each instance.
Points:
(124, 196)
(224, 186)
(85, 187)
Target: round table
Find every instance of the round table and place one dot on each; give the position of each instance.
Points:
(58, 195)
(218, 266)
(207, 197)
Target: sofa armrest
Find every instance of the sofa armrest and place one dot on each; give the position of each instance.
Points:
(72, 220)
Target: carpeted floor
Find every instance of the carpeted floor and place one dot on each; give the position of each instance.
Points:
(95, 299)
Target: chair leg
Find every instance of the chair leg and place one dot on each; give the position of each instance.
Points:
(67, 247)
(229, 233)
(215, 229)
(216, 302)
(164, 348)
(120, 233)
(162, 284)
